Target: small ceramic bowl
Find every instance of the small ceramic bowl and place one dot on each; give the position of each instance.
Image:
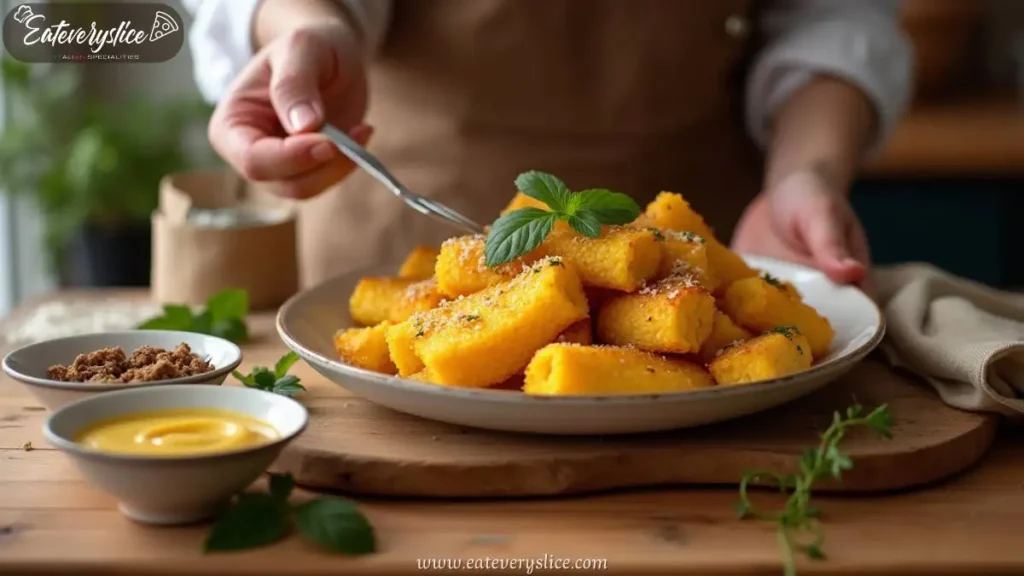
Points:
(169, 490)
(28, 364)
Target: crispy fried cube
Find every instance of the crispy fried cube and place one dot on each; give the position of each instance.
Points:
(759, 306)
(366, 348)
(419, 264)
(376, 299)
(461, 269)
(486, 337)
(774, 354)
(571, 369)
(686, 252)
(674, 315)
(724, 333)
(621, 258)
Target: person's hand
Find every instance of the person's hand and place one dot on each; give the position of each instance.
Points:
(802, 219)
(266, 125)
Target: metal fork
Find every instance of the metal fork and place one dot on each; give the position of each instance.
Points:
(371, 164)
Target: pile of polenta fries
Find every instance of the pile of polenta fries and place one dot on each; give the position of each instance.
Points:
(659, 305)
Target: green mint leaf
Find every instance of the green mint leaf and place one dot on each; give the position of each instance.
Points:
(281, 486)
(263, 378)
(337, 525)
(288, 386)
(244, 378)
(203, 323)
(608, 207)
(516, 234)
(232, 329)
(285, 364)
(254, 520)
(586, 223)
(230, 303)
(544, 187)
(178, 313)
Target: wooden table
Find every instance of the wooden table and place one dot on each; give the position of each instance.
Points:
(52, 521)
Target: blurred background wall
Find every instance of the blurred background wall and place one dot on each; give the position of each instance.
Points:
(947, 189)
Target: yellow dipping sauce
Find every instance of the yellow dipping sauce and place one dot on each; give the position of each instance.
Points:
(178, 432)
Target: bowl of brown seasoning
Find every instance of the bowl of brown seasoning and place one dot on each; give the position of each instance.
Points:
(59, 371)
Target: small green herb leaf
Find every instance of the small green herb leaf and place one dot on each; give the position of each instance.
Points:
(771, 279)
(544, 187)
(178, 314)
(233, 329)
(254, 520)
(288, 386)
(337, 525)
(231, 303)
(281, 486)
(608, 207)
(244, 378)
(263, 378)
(516, 234)
(585, 223)
(285, 364)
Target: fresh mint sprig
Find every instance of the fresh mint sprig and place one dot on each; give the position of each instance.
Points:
(517, 233)
(223, 316)
(278, 380)
(257, 519)
(799, 530)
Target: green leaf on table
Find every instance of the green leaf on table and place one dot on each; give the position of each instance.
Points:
(233, 329)
(263, 378)
(203, 323)
(285, 364)
(516, 234)
(253, 520)
(281, 486)
(230, 303)
(337, 525)
(245, 379)
(288, 386)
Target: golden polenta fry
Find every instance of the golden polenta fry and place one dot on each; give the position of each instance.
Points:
(686, 252)
(486, 337)
(670, 211)
(571, 369)
(785, 286)
(673, 315)
(758, 306)
(376, 299)
(771, 355)
(581, 332)
(521, 200)
(366, 348)
(461, 269)
(622, 258)
(724, 333)
(419, 264)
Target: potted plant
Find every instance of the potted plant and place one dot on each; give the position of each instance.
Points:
(92, 166)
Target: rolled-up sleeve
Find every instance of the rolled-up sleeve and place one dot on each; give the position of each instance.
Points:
(859, 41)
(221, 37)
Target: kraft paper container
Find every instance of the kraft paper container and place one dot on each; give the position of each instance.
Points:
(194, 259)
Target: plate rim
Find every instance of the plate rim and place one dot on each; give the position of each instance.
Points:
(512, 396)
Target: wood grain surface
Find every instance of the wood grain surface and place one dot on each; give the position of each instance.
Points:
(51, 521)
(356, 446)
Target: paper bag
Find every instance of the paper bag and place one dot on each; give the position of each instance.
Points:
(214, 230)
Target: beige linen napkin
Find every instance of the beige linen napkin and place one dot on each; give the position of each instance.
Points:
(966, 339)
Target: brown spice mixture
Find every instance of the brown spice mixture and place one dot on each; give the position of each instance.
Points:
(146, 364)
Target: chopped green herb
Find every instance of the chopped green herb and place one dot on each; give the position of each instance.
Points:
(693, 237)
(277, 380)
(786, 331)
(799, 529)
(657, 234)
(771, 279)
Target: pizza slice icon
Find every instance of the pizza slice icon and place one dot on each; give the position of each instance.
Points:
(163, 24)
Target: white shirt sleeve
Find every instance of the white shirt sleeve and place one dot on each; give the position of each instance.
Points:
(859, 41)
(221, 37)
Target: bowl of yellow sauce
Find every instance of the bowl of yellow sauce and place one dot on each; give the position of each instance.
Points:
(175, 454)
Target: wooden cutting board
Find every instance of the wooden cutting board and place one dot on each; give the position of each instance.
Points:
(355, 446)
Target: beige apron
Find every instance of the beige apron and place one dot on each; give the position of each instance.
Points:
(634, 95)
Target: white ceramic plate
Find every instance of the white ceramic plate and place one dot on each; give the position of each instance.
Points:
(308, 321)
(28, 364)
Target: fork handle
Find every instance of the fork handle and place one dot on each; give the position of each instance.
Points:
(362, 158)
